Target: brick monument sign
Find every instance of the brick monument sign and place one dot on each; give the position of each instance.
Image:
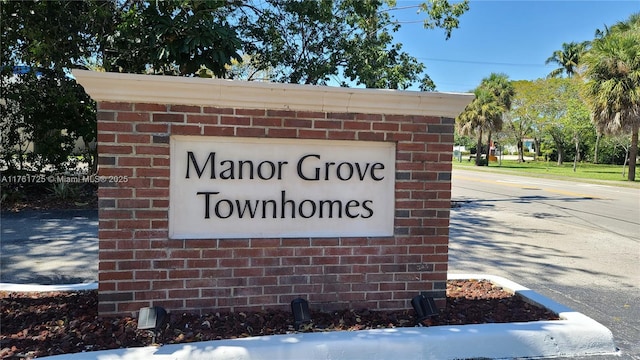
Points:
(227, 195)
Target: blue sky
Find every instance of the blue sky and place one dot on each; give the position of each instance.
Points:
(514, 37)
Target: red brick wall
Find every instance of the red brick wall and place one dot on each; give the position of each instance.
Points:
(140, 266)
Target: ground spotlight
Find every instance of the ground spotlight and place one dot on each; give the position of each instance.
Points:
(425, 307)
(300, 310)
(152, 319)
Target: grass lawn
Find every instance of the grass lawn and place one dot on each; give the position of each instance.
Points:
(612, 174)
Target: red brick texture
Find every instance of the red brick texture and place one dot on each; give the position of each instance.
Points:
(140, 266)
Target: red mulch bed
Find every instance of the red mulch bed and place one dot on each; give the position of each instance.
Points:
(42, 324)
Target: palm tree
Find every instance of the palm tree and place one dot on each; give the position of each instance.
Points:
(475, 118)
(503, 91)
(484, 113)
(613, 83)
(568, 58)
(632, 22)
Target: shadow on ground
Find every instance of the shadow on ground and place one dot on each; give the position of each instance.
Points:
(49, 247)
(483, 239)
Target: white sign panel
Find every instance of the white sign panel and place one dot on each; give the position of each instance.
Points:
(224, 187)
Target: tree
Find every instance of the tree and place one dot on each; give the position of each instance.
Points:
(53, 34)
(576, 121)
(42, 105)
(484, 113)
(560, 106)
(552, 111)
(443, 14)
(348, 41)
(619, 147)
(501, 89)
(475, 119)
(172, 38)
(569, 58)
(246, 70)
(613, 83)
(50, 111)
(614, 149)
(288, 40)
(523, 114)
(463, 140)
(50, 37)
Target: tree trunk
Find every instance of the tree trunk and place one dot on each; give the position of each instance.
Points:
(488, 148)
(92, 155)
(633, 153)
(536, 151)
(520, 151)
(557, 139)
(560, 155)
(479, 148)
(575, 158)
(595, 151)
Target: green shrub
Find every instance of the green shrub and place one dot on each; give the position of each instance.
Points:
(64, 191)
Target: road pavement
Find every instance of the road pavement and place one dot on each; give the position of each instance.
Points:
(576, 243)
(49, 247)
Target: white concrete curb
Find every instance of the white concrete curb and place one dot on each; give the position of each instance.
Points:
(574, 335)
(47, 288)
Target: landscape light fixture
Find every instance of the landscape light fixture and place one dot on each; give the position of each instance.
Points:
(300, 310)
(425, 308)
(152, 319)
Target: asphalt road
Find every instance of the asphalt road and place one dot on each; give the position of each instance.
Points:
(576, 243)
(49, 247)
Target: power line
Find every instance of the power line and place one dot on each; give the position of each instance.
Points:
(399, 8)
(480, 62)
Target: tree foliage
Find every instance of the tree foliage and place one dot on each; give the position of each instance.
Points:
(569, 58)
(347, 41)
(50, 112)
(484, 113)
(613, 82)
(552, 112)
(172, 38)
(53, 34)
(576, 123)
(524, 112)
(443, 14)
(307, 41)
(42, 106)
